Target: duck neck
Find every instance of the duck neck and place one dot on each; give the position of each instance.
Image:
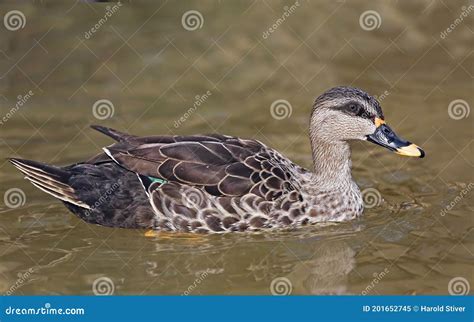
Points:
(332, 164)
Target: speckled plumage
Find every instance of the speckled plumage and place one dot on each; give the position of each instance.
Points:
(217, 183)
(220, 183)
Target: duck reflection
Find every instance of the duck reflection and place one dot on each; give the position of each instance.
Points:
(250, 264)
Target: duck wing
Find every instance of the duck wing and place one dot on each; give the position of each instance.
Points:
(221, 165)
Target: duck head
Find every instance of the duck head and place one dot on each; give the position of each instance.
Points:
(346, 113)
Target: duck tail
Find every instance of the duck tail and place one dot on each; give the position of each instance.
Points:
(50, 179)
(114, 134)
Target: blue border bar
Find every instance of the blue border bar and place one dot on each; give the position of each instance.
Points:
(237, 308)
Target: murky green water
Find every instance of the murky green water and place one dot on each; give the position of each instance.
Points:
(151, 69)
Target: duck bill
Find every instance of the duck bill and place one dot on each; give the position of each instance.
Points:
(384, 136)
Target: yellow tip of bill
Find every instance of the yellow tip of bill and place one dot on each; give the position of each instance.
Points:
(411, 150)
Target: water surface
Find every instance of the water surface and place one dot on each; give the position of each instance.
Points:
(414, 241)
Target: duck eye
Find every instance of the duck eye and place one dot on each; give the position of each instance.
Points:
(356, 110)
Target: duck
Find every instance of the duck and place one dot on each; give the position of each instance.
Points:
(218, 183)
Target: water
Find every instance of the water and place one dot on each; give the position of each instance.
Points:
(151, 69)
